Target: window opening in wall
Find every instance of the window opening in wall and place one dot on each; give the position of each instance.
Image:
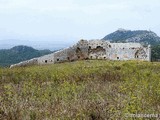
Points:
(109, 46)
(45, 61)
(136, 54)
(117, 58)
(68, 58)
(78, 50)
(104, 57)
(57, 59)
(98, 46)
(89, 47)
(78, 57)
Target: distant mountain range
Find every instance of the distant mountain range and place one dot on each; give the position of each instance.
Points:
(141, 36)
(18, 54)
(21, 53)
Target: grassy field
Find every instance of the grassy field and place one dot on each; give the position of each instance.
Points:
(80, 90)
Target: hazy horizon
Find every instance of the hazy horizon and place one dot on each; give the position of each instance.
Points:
(62, 23)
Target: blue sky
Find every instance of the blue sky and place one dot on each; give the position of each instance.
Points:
(67, 21)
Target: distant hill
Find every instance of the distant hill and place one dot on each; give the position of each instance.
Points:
(51, 44)
(18, 54)
(142, 36)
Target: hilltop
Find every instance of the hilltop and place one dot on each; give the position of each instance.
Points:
(18, 54)
(141, 36)
(90, 89)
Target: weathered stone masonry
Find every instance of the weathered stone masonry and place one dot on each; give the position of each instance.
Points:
(94, 49)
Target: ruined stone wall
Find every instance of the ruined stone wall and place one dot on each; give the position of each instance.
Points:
(148, 51)
(94, 43)
(46, 59)
(128, 51)
(60, 56)
(82, 49)
(120, 54)
(94, 49)
(30, 62)
(97, 49)
(78, 51)
(71, 53)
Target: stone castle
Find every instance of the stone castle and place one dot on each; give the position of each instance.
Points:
(93, 49)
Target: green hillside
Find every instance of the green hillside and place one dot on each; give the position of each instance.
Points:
(18, 54)
(94, 89)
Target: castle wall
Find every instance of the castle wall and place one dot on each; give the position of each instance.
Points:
(120, 54)
(148, 51)
(30, 62)
(128, 51)
(46, 59)
(60, 56)
(95, 43)
(82, 49)
(94, 49)
(76, 52)
(97, 49)
(71, 53)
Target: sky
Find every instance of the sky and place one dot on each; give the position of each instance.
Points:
(64, 22)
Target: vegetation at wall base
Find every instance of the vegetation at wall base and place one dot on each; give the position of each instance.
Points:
(91, 89)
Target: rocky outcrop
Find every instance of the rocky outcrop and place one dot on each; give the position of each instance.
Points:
(141, 36)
